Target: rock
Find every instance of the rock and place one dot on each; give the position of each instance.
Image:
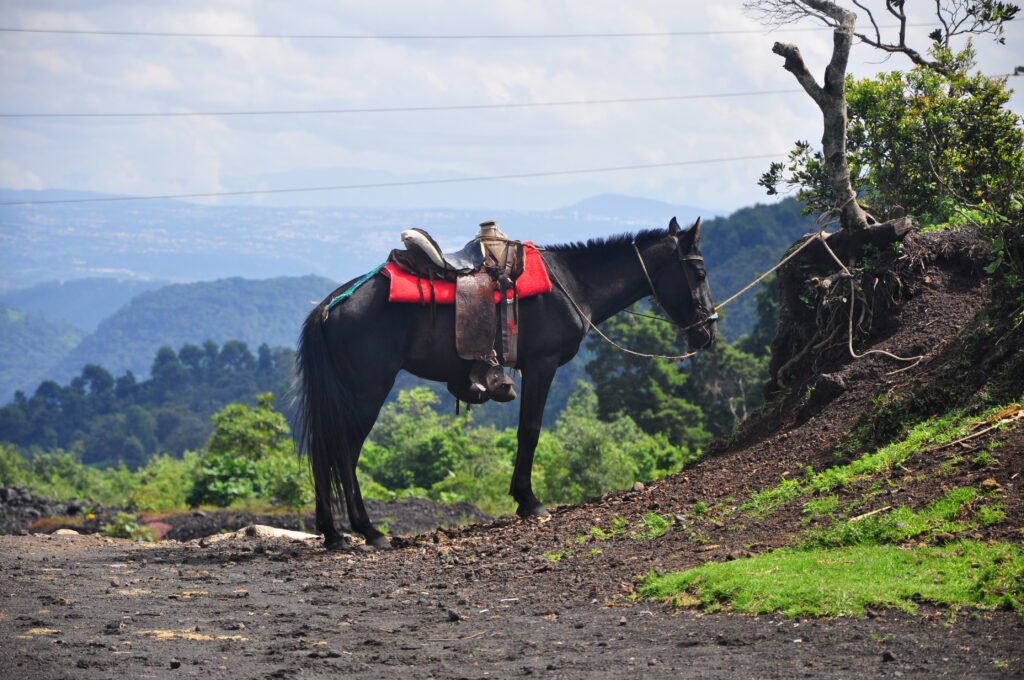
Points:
(66, 532)
(828, 387)
(259, 531)
(639, 486)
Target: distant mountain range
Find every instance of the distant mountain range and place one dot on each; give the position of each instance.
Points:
(267, 311)
(30, 346)
(83, 303)
(121, 314)
(180, 242)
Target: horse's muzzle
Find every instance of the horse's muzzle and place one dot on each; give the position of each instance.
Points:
(702, 335)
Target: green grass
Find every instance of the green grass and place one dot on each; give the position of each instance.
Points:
(557, 556)
(950, 514)
(820, 507)
(932, 432)
(845, 581)
(651, 526)
(990, 515)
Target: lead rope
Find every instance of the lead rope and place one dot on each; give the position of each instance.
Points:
(597, 330)
(714, 316)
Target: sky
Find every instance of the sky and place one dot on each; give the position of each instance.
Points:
(710, 139)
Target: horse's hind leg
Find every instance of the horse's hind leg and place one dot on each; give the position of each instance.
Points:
(370, 404)
(357, 515)
(333, 539)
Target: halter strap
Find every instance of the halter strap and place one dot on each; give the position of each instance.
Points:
(698, 308)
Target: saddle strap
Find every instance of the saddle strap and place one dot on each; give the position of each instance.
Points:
(508, 319)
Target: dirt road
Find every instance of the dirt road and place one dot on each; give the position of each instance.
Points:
(88, 607)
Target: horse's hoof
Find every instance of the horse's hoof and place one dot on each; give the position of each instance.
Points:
(532, 510)
(335, 543)
(380, 541)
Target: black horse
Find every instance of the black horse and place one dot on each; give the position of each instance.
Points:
(349, 357)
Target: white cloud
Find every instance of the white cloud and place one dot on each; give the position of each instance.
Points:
(155, 156)
(13, 177)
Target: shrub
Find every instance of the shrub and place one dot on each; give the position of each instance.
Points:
(127, 526)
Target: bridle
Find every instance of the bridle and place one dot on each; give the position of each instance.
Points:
(689, 271)
(687, 262)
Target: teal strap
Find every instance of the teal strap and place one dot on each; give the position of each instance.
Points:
(355, 286)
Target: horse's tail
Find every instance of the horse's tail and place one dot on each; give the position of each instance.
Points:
(324, 407)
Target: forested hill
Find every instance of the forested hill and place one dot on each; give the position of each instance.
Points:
(742, 246)
(83, 303)
(105, 420)
(30, 343)
(268, 311)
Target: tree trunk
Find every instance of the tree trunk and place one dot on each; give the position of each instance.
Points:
(831, 99)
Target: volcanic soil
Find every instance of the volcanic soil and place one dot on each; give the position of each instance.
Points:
(510, 598)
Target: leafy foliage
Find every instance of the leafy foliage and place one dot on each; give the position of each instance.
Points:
(106, 420)
(583, 456)
(127, 526)
(651, 391)
(411, 445)
(412, 449)
(250, 453)
(939, 143)
(690, 402)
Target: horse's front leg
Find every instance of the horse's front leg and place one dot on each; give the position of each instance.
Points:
(536, 383)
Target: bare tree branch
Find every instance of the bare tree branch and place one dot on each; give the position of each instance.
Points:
(795, 64)
(956, 18)
(871, 18)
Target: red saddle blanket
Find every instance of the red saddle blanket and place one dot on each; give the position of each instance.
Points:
(406, 287)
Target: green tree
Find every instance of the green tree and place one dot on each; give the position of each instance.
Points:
(14, 469)
(482, 473)
(759, 342)
(250, 453)
(925, 141)
(583, 456)
(728, 384)
(165, 483)
(650, 391)
(937, 142)
(411, 445)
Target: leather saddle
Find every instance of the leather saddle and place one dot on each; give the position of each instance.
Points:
(485, 333)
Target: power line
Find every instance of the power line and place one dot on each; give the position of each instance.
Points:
(378, 185)
(403, 109)
(481, 36)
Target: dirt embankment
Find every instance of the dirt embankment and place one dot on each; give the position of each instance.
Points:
(508, 598)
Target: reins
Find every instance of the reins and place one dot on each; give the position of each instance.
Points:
(650, 282)
(712, 317)
(817, 236)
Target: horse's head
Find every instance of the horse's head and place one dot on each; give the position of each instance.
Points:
(682, 288)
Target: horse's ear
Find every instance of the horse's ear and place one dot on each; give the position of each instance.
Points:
(690, 237)
(673, 227)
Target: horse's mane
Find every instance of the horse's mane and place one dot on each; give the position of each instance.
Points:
(609, 244)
